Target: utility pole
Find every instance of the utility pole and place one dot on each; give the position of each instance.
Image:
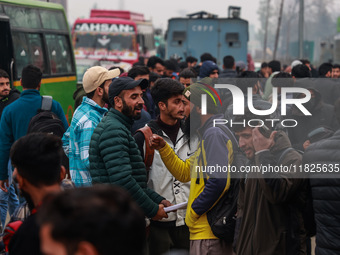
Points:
(301, 23)
(266, 32)
(278, 30)
(288, 37)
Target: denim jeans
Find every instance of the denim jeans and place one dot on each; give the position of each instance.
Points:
(8, 200)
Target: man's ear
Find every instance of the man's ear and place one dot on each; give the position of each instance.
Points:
(86, 248)
(38, 88)
(118, 102)
(198, 109)
(62, 173)
(100, 91)
(21, 181)
(161, 105)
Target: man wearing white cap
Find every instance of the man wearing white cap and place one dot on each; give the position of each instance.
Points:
(76, 140)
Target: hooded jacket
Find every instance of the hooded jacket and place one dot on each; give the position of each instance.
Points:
(214, 148)
(322, 115)
(206, 68)
(326, 193)
(270, 205)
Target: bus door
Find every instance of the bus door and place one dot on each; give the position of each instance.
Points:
(6, 46)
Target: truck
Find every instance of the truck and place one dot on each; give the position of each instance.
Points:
(203, 32)
(111, 38)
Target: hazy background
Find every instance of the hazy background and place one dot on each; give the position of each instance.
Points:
(160, 11)
(321, 24)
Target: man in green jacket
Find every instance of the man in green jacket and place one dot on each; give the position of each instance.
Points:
(114, 155)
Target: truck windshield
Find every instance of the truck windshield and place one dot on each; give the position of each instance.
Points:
(105, 44)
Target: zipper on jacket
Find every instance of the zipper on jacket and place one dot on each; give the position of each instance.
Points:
(252, 241)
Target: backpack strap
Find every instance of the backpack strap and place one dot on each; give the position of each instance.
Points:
(46, 103)
(9, 231)
(149, 153)
(283, 154)
(233, 140)
(230, 136)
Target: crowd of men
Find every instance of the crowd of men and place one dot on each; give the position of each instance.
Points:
(135, 143)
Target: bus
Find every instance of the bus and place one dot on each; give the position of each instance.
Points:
(112, 38)
(34, 32)
(205, 32)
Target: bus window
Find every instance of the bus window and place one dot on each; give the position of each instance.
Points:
(58, 50)
(36, 51)
(21, 52)
(53, 20)
(23, 17)
(6, 45)
(28, 50)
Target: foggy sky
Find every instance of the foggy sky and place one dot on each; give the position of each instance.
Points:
(161, 10)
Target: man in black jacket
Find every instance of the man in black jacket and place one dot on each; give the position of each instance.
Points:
(8, 200)
(322, 115)
(38, 171)
(7, 95)
(325, 190)
(229, 67)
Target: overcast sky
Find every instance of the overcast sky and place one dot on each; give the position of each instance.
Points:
(162, 10)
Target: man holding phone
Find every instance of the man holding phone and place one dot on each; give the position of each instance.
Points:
(270, 202)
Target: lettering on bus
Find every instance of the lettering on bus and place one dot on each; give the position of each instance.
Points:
(98, 27)
(200, 28)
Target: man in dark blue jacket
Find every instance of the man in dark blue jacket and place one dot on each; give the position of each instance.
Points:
(325, 155)
(17, 116)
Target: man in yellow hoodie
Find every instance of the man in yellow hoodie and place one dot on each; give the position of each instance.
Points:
(208, 184)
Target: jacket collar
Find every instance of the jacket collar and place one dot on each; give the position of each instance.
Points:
(157, 130)
(30, 92)
(125, 120)
(208, 124)
(93, 104)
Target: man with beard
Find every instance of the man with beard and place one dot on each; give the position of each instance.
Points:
(38, 171)
(8, 200)
(170, 233)
(270, 203)
(7, 95)
(76, 140)
(114, 155)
